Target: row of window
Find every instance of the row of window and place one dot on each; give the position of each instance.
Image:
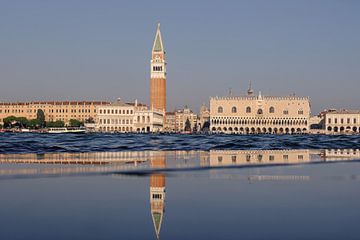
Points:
(343, 129)
(116, 129)
(260, 158)
(156, 196)
(116, 111)
(50, 111)
(259, 130)
(259, 111)
(262, 122)
(157, 68)
(71, 116)
(342, 120)
(257, 118)
(115, 121)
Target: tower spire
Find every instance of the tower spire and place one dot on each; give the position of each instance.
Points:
(158, 44)
(250, 91)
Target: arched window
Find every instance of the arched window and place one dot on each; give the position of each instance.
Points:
(259, 111)
(271, 110)
(233, 110)
(300, 112)
(286, 112)
(248, 109)
(220, 109)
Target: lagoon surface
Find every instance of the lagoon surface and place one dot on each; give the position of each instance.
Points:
(97, 142)
(198, 191)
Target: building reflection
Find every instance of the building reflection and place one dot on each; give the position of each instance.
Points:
(157, 192)
(120, 164)
(123, 162)
(256, 157)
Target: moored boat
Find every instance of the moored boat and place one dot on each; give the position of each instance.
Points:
(67, 130)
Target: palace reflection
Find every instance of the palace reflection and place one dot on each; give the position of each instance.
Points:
(127, 162)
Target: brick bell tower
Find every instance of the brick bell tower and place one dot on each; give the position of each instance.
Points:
(158, 74)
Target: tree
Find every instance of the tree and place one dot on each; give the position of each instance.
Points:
(22, 122)
(40, 116)
(75, 123)
(187, 125)
(9, 121)
(57, 123)
(33, 123)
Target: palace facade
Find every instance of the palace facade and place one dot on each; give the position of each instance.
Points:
(259, 114)
(53, 110)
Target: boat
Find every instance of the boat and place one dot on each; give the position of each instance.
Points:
(67, 130)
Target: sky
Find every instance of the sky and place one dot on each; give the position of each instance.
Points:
(101, 50)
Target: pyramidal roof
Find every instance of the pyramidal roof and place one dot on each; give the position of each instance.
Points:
(157, 219)
(158, 44)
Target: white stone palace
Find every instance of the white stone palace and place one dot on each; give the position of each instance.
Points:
(259, 114)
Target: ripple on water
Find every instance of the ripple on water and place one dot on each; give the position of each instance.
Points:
(40, 143)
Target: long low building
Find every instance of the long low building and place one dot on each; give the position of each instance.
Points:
(127, 117)
(53, 110)
(259, 114)
(342, 121)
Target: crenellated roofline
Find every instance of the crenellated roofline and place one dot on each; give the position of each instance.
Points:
(259, 98)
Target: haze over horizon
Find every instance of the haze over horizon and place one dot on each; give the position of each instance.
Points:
(91, 50)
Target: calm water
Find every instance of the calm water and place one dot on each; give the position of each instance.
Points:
(42, 143)
(212, 187)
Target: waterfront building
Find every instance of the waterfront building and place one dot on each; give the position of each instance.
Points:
(342, 121)
(158, 74)
(259, 114)
(53, 110)
(128, 117)
(181, 116)
(170, 122)
(148, 120)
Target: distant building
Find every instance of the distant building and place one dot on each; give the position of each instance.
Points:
(181, 116)
(170, 122)
(128, 117)
(53, 110)
(204, 119)
(158, 74)
(148, 120)
(342, 121)
(259, 114)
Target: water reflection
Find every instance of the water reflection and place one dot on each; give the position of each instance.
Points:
(156, 164)
(21, 165)
(157, 192)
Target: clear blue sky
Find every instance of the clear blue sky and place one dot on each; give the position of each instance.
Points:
(101, 49)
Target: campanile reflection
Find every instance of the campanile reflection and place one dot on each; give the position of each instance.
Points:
(157, 192)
